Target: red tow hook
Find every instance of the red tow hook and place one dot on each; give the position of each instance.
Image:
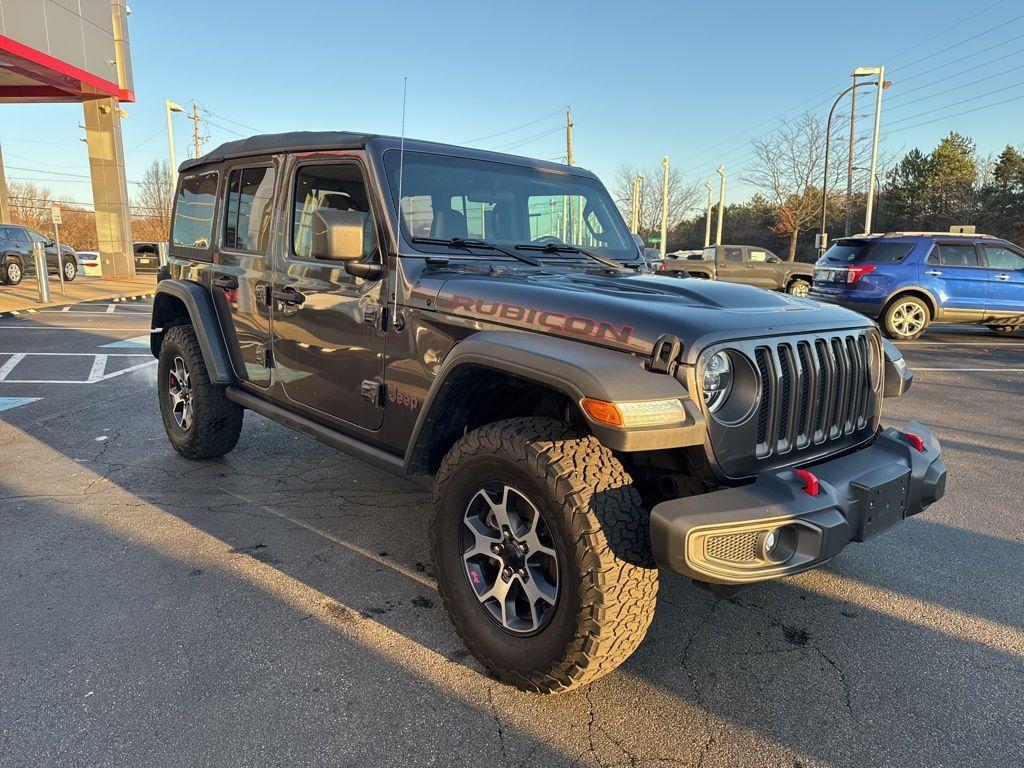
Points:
(810, 481)
(915, 440)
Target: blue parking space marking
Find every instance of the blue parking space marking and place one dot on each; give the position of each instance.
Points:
(6, 403)
(136, 342)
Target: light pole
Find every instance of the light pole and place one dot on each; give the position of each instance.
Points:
(720, 170)
(869, 208)
(849, 160)
(707, 216)
(664, 204)
(170, 106)
(823, 239)
(637, 181)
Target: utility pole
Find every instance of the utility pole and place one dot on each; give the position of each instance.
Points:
(5, 202)
(874, 151)
(637, 181)
(568, 136)
(196, 138)
(664, 204)
(720, 170)
(849, 162)
(707, 217)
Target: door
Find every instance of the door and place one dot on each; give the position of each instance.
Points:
(958, 279)
(761, 270)
(51, 249)
(1006, 282)
(731, 266)
(241, 272)
(327, 340)
(19, 242)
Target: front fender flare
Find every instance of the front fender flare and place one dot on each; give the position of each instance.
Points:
(203, 317)
(573, 368)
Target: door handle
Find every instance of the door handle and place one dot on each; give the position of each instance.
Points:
(933, 272)
(227, 282)
(287, 296)
(1002, 277)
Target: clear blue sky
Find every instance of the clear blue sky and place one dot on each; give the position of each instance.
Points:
(694, 80)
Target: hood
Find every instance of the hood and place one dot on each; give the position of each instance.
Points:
(632, 312)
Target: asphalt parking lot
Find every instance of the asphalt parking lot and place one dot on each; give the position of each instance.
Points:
(277, 607)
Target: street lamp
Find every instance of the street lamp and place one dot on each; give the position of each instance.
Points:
(720, 170)
(637, 182)
(707, 216)
(170, 106)
(880, 71)
(664, 205)
(823, 240)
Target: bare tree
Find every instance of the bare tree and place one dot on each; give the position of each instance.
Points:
(682, 198)
(788, 167)
(153, 201)
(30, 205)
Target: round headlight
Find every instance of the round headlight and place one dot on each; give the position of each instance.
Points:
(716, 382)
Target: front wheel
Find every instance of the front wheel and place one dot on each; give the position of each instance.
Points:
(906, 318)
(541, 548)
(200, 421)
(1004, 329)
(70, 269)
(798, 288)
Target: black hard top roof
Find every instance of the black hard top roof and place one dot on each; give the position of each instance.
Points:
(312, 141)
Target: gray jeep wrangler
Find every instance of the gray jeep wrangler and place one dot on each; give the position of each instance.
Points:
(482, 324)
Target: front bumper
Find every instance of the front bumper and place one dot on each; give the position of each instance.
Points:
(720, 537)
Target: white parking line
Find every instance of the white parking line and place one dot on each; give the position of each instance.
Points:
(65, 328)
(96, 372)
(7, 367)
(970, 370)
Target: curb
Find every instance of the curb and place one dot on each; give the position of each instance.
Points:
(114, 300)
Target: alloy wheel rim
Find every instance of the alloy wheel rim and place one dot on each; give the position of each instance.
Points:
(908, 319)
(799, 290)
(69, 270)
(179, 388)
(13, 272)
(509, 559)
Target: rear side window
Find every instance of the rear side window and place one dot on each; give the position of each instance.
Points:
(954, 255)
(249, 209)
(733, 254)
(861, 251)
(193, 211)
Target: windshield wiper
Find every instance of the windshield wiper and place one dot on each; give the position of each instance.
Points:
(556, 248)
(469, 244)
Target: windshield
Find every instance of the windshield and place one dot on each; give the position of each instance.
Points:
(446, 197)
(860, 251)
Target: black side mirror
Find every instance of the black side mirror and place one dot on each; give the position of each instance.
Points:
(774, 260)
(338, 235)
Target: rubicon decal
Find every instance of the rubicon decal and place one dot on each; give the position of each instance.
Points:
(543, 319)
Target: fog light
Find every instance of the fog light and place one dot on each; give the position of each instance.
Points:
(770, 543)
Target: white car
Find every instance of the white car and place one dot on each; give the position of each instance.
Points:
(89, 263)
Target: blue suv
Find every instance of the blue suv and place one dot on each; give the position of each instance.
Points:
(907, 280)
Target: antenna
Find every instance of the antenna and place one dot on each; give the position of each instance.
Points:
(398, 323)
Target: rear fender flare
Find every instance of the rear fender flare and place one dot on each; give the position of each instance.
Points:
(171, 297)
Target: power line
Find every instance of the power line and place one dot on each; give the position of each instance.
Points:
(962, 58)
(958, 44)
(947, 78)
(955, 104)
(528, 139)
(903, 104)
(945, 30)
(516, 128)
(958, 114)
(233, 122)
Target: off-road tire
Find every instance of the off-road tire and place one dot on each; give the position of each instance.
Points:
(890, 318)
(607, 581)
(216, 422)
(798, 287)
(6, 277)
(1005, 329)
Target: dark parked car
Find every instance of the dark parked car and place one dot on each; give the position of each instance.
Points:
(747, 264)
(147, 258)
(427, 309)
(907, 280)
(16, 258)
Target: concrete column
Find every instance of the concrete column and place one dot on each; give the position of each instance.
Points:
(5, 202)
(109, 187)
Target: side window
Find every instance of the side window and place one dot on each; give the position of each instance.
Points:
(249, 209)
(35, 237)
(18, 235)
(733, 254)
(890, 253)
(956, 255)
(756, 255)
(193, 212)
(339, 187)
(708, 255)
(999, 257)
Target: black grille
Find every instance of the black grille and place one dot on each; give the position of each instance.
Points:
(835, 369)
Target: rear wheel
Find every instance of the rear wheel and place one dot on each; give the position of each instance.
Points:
(12, 272)
(906, 318)
(541, 548)
(70, 268)
(200, 421)
(798, 288)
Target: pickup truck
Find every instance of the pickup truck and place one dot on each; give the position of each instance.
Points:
(485, 325)
(747, 264)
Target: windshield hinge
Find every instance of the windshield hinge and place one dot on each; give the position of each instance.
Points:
(665, 355)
